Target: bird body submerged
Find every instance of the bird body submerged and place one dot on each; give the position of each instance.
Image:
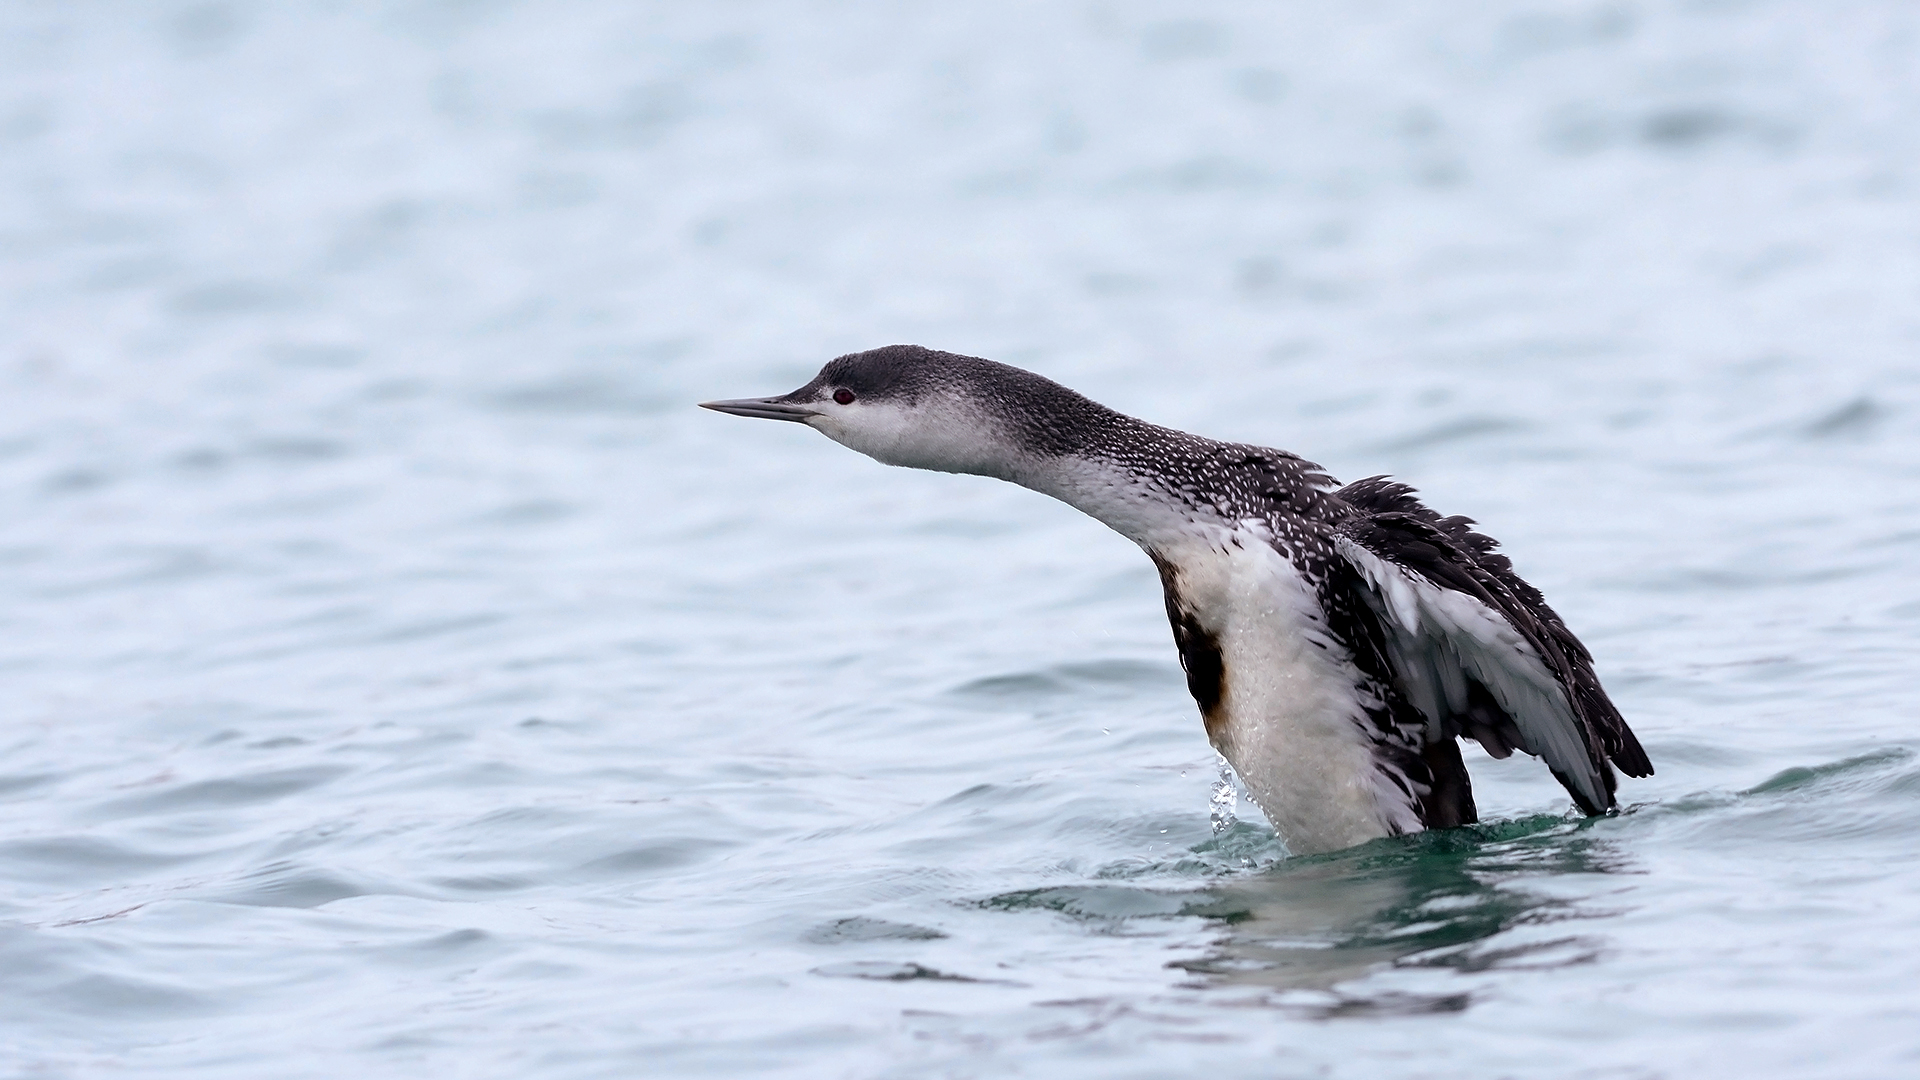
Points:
(1338, 640)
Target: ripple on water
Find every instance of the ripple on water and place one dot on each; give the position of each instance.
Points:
(1836, 775)
(1857, 419)
(78, 982)
(1464, 429)
(484, 884)
(288, 884)
(296, 543)
(862, 928)
(73, 861)
(896, 971)
(128, 998)
(1437, 900)
(1867, 797)
(1076, 680)
(652, 857)
(452, 946)
(222, 792)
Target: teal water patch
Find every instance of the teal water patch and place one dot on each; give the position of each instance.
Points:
(1440, 900)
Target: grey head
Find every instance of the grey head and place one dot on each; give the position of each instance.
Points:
(926, 409)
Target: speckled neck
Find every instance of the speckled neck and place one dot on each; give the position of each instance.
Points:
(1151, 483)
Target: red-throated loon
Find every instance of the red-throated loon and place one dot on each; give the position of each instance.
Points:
(1338, 640)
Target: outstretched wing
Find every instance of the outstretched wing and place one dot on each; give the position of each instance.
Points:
(1476, 649)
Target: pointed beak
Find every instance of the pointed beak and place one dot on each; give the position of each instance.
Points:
(766, 408)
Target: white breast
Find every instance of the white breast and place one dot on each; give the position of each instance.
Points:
(1291, 718)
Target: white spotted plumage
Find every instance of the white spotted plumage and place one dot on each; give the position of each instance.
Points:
(1438, 637)
(1338, 641)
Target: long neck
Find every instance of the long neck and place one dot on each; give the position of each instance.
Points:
(1149, 483)
(1138, 479)
(1156, 486)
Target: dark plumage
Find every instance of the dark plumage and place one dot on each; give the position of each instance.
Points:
(1389, 521)
(1398, 630)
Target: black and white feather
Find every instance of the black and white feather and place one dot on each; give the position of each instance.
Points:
(1338, 640)
(1476, 649)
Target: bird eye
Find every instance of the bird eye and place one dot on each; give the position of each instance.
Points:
(843, 395)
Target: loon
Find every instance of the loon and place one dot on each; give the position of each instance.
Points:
(1339, 641)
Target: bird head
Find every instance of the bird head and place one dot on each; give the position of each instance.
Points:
(911, 406)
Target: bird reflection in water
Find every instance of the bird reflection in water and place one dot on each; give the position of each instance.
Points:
(1313, 929)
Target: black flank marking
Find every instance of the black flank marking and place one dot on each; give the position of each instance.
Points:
(1199, 651)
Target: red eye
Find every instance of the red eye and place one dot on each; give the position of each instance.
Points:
(843, 395)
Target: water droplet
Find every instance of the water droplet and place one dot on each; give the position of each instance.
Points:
(1225, 799)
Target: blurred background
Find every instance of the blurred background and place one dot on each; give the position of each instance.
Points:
(401, 673)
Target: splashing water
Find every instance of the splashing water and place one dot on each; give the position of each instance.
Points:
(1225, 800)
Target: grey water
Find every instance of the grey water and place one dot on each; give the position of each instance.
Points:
(402, 678)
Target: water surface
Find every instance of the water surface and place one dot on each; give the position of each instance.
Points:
(403, 677)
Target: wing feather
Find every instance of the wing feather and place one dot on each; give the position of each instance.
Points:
(1476, 649)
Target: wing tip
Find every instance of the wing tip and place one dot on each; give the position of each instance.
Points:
(1629, 756)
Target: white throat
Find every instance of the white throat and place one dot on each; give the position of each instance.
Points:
(1130, 504)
